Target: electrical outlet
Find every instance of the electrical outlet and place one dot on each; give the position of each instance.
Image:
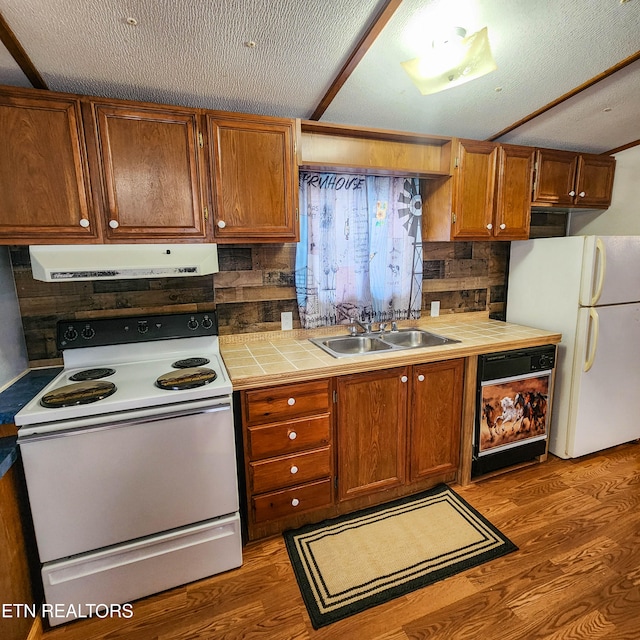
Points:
(286, 320)
(435, 308)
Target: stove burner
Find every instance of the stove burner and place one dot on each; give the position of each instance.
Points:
(186, 378)
(92, 374)
(187, 363)
(78, 393)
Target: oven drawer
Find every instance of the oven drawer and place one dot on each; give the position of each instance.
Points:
(286, 402)
(279, 504)
(278, 473)
(287, 437)
(140, 568)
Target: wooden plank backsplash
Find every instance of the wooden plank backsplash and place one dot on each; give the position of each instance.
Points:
(256, 283)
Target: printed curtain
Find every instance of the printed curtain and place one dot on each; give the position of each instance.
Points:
(360, 249)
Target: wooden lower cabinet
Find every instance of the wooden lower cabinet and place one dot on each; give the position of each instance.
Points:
(398, 427)
(371, 431)
(435, 419)
(319, 449)
(288, 437)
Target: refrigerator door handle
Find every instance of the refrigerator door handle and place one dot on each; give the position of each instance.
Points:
(601, 272)
(595, 324)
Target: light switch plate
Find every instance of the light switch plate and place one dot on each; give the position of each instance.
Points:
(435, 308)
(286, 319)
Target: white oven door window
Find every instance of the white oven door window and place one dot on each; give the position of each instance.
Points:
(96, 487)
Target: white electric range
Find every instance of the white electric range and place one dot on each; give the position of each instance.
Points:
(130, 461)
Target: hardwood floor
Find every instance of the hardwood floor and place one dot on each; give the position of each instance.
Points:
(576, 575)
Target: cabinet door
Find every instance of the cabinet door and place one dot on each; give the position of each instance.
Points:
(594, 182)
(435, 420)
(555, 177)
(150, 171)
(371, 432)
(513, 193)
(474, 190)
(255, 186)
(44, 196)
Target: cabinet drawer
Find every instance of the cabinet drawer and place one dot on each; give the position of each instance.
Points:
(271, 506)
(290, 401)
(278, 473)
(288, 437)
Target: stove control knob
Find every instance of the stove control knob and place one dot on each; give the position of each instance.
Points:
(207, 323)
(192, 324)
(88, 332)
(70, 334)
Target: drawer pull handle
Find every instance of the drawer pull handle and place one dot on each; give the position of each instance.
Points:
(403, 379)
(114, 224)
(582, 194)
(421, 378)
(293, 435)
(572, 193)
(84, 223)
(291, 401)
(221, 224)
(489, 226)
(295, 502)
(503, 226)
(294, 469)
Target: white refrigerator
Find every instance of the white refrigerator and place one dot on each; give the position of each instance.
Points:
(587, 288)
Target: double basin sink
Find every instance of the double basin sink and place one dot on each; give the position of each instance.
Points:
(380, 342)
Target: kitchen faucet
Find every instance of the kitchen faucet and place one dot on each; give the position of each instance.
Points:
(365, 326)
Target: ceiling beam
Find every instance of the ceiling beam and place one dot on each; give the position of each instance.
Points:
(623, 147)
(386, 12)
(14, 47)
(570, 94)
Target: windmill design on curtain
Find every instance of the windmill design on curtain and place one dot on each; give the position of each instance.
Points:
(360, 249)
(413, 214)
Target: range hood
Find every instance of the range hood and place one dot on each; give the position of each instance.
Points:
(63, 263)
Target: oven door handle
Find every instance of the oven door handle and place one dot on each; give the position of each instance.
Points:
(126, 422)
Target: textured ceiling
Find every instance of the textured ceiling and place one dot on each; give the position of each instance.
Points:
(193, 53)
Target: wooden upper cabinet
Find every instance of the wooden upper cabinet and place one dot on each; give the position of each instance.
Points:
(555, 177)
(565, 178)
(512, 218)
(594, 180)
(474, 189)
(492, 190)
(149, 169)
(44, 196)
(255, 178)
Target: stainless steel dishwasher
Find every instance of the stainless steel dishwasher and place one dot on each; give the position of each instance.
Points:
(513, 407)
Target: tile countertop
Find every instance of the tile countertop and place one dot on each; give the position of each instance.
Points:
(278, 357)
(12, 400)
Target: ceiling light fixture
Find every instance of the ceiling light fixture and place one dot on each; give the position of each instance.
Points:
(452, 61)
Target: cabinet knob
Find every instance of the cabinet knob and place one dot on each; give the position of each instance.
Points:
(295, 502)
(421, 378)
(221, 224)
(403, 379)
(291, 401)
(84, 223)
(489, 226)
(114, 224)
(294, 469)
(582, 194)
(572, 193)
(293, 435)
(503, 226)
